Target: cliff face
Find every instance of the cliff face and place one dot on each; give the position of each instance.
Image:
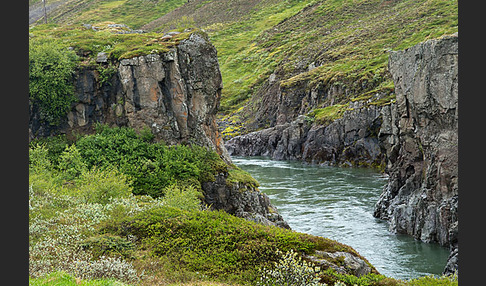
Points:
(350, 140)
(420, 136)
(175, 94)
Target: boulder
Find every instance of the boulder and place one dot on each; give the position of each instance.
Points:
(341, 262)
(242, 201)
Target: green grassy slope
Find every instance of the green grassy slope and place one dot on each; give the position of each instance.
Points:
(310, 44)
(347, 41)
(133, 13)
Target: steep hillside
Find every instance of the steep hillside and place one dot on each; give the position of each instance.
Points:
(285, 58)
(326, 54)
(307, 53)
(133, 13)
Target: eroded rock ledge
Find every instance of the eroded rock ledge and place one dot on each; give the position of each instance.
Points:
(350, 140)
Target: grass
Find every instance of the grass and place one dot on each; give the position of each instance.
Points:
(65, 279)
(347, 41)
(328, 114)
(134, 13)
(88, 43)
(243, 63)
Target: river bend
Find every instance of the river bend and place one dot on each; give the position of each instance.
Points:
(338, 203)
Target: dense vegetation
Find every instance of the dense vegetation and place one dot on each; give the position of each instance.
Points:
(150, 166)
(85, 221)
(51, 71)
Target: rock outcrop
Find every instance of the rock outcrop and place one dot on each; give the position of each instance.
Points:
(242, 201)
(341, 262)
(350, 140)
(420, 136)
(176, 95)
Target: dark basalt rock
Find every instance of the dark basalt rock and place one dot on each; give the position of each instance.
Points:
(420, 136)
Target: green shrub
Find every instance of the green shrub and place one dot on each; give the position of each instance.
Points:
(290, 270)
(102, 185)
(153, 166)
(51, 70)
(70, 163)
(108, 245)
(55, 146)
(39, 158)
(184, 198)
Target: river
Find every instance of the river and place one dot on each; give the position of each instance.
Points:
(338, 203)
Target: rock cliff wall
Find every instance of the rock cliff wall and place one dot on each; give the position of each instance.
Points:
(420, 136)
(176, 94)
(350, 140)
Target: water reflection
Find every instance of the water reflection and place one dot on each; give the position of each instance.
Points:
(338, 203)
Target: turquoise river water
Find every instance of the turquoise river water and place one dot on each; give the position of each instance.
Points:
(338, 203)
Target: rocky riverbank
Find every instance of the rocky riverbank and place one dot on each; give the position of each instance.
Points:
(414, 139)
(420, 136)
(348, 141)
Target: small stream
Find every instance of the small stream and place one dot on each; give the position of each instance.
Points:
(338, 203)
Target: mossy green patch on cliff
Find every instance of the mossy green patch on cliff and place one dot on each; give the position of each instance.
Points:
(106, 37)
(328, 114)
(237, 175)
(134, 13)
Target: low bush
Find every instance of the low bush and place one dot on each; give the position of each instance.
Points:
(152, 166)
(102, 185)
(431, 280)
(290, 270)
(184, 198)
(51, 71)
(71, 165)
